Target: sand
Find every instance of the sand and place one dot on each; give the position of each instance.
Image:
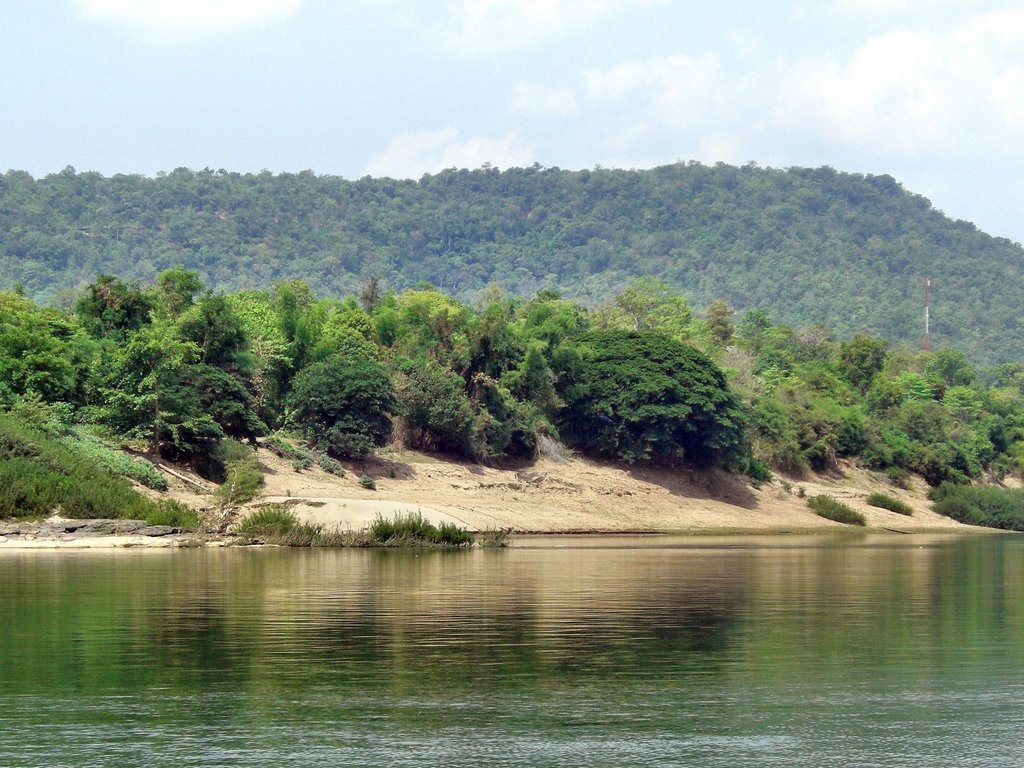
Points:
(580, 496)
(548, 496)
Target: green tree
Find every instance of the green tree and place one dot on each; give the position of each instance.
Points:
(112, 308)
(176, 289)
(951, 366)
(860, 359)
(437, 413)
(718, 316)
(651, 305)
(343, 406)
(41, 353)
(149, 394)
(647, 397)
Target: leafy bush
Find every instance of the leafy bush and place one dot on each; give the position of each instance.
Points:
(885, 501)
(231, 450)
(330, 466)
(173, 513)
(412, 529)
(244, 480)
(985, 505)
(831, 508)
(898, 477)
(758, 473)
(437, 412)
(367, 482)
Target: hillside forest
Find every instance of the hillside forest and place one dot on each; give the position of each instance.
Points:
(809, 246)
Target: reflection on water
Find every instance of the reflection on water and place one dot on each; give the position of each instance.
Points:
(877, 650)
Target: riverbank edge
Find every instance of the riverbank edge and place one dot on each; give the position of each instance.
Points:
(42, 535)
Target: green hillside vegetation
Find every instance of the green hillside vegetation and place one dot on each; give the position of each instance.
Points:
(809, 246)
(40, 474)
(981, 505)
(194, 375)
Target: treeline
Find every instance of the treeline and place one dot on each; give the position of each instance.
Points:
(811, 246)
(640, 378)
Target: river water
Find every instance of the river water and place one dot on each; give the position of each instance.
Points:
(762, 651)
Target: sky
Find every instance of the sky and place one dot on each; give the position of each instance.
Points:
(930, 92)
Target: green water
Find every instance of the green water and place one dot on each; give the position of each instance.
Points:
(797, 651)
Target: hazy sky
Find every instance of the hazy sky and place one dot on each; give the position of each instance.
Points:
(929, 91)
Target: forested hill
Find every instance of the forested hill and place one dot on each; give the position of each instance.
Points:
(809, 245)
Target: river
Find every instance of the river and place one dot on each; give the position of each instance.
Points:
(872, 650)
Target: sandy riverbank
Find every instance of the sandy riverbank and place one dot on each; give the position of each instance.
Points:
(545, 497)
(581, 496)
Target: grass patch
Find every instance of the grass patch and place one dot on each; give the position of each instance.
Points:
(495, 538)
(831, 508)
(413, 530)
(885, 501)
(276, 524)
(272, 519)
(986, 505)
(40, 474)
(243, 482)
(173, 513)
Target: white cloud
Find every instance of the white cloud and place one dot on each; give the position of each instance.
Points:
(410, 155)
(543, 101)
(175, 17)
(917, 7)
(955, 89)
(672, 84)
(916, 92)
(488, 26)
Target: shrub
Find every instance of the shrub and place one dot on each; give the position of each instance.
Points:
(495, 538)
(330, 466)
(985, 505)
(173, 513)
(244, 480)
(885, 501)
(759, 473)
(898, 477)
(831, 508)
(367, 482)
(231, 450)
(276, 524)
(412, 529)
